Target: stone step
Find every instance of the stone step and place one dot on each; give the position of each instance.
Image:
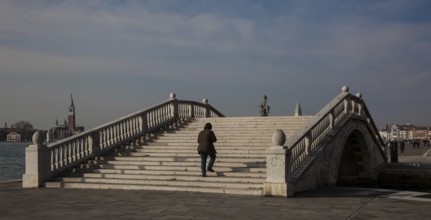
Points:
(237, 130)
(179, 164)
(176, 168)
(171, 182)
(193, 151)
(168, 160)
(195, 177)
(218, 173)
(221, 144)
(219, 140)
(188, 147)
(161, 188)
(178, 159)
(230, 155)
(251, 118)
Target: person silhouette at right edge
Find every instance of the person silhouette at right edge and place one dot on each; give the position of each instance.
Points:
(206, 148)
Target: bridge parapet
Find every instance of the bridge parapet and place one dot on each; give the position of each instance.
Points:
(44, 162)
(308, 141)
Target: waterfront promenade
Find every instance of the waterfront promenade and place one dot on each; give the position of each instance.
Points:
(324, 203)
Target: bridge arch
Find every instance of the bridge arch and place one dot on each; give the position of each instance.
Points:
(354, 160)
(354, 156)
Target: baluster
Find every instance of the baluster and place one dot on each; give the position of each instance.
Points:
(103, 139)
(353, 104)
(123, 129)
(120, 127)
(108, 136)
(75, 151)
(159, 116)
(80, 147)
(132, 126)
(60, 154)
(69, 155)
(65, 155)
(116, 133)
(163, 113)
(52, 159)
(134, 120)
(137, 124)
(168, 113)
(346, 105)
(150, 121)
(106, 143)
(308, 143)
(143, 121)
(126, 129)
(84, 148)
(111, 135)
(331, 119)
(57, 164)
(72, 150)
(127, 126)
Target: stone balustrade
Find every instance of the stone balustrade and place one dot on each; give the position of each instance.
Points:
(44, 162)
(299, 147)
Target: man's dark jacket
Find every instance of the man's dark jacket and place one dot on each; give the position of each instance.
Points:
(206, 139)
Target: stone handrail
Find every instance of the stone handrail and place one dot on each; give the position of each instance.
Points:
(312, 135)
(54, 158)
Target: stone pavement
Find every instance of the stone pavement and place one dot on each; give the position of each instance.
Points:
(325, 203)
(417, 155)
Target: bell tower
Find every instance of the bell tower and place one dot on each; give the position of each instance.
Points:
(71, 125)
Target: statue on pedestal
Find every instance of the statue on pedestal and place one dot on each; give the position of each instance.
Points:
(264, 107)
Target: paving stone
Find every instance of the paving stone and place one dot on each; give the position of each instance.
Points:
(325, 203)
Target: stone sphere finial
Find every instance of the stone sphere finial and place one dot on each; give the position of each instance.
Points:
(345, 89)
(205, 101)
(278, 138)
(359, 95)
(172, 96)
(37, 138)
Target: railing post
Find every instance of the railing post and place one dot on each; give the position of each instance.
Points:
(174, 106)
(308, 143)
(277, 167)
(346, 105)
(331, 119)
(37, 163)
(345, 89)
(192, 111)
(359, 95)
(207, 108)
(174, 110)
(94, 142)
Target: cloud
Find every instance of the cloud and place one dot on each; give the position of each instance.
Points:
(272, 47)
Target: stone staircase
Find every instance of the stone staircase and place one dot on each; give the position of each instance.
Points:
(169, 161)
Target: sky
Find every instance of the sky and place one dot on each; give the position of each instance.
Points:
(120, 56)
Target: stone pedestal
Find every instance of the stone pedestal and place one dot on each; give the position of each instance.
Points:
(277, 167)
(37, 166)
(276, 179)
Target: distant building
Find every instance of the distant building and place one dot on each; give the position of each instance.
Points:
(13, 137)
(69, 127)
(408, 132)
(16, 135)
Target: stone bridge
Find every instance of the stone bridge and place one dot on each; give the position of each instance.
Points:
(155, 149)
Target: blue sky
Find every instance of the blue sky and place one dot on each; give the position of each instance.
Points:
(117, 57)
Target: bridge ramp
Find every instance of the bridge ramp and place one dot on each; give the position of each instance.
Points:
(170, 160)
